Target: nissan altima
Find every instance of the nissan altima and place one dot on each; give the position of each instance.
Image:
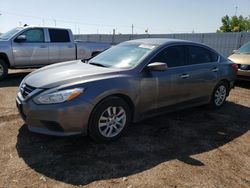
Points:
(129, 82)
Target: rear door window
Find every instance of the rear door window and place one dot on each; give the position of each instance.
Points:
(59, 35)
(174, 56)
(200, 55)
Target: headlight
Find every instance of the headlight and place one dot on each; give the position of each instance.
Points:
(59, 96)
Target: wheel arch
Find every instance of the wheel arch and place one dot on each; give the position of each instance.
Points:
(227, 82)
(125, 97)
(5, 58)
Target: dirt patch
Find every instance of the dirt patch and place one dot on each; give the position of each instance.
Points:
(197, 147)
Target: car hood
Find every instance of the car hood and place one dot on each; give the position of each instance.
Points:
(4, 43)
(240, 58)
(65, 73)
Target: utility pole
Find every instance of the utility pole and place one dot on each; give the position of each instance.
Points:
(55, 22)
(132, 29)
(75, 28)
(113, 37)
(236, 9)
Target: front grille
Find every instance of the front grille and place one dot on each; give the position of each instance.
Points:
(26, 90)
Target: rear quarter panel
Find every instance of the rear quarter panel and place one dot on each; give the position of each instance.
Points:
(226, 72)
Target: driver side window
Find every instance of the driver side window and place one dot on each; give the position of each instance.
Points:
(174, 56)
(34, 35)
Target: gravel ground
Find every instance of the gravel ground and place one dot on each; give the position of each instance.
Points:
(197, 147)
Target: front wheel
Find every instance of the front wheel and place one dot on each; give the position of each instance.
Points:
(3, 69)
(219, 95)
(109, 119)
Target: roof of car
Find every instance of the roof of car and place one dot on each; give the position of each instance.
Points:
(159, 41)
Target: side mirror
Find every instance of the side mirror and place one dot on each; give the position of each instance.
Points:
(20, 38)
(157, 66)
(234, 51)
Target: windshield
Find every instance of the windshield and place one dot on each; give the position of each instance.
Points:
(245, 49)
(9, 34)
(122, 56)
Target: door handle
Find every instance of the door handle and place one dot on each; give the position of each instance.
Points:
(43, 46)
(215, 69)
(184, 76)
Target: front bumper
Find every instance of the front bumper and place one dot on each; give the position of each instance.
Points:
(243, 74)
(65, 119)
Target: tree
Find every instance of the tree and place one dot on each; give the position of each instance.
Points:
(225, 24)
(235, 24)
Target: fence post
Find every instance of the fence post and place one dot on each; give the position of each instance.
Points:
(240, 40)
(202, 38)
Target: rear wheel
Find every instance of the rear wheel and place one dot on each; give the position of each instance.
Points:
(219, 95)
(3, 69)
(109, 119)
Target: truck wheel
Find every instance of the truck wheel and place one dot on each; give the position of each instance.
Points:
(3, 69)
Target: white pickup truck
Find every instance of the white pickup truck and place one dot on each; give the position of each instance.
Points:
(27, 47)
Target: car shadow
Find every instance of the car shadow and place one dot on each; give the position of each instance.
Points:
(13, 79)
(243, 84)
(179, 135)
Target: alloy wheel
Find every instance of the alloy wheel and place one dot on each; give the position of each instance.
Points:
(112, 121)
(220, 95)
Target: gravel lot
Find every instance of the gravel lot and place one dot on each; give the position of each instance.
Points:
(197, 147)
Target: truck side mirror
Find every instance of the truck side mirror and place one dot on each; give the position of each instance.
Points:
(21, 38)
(234, 51)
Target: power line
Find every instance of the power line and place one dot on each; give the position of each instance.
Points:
(61, 20)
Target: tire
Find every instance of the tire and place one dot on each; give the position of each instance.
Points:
(219, 95)
(109, 120)
(3, 69)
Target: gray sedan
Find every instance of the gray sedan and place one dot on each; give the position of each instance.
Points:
(132, 81)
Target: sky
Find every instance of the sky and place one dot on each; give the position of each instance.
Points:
(103, 16)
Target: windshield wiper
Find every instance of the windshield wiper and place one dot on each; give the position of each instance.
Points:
(97, 64)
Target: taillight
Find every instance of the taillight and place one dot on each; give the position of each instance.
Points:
(235, 67)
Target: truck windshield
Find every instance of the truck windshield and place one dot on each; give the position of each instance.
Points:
(122, 56)
(9, 34)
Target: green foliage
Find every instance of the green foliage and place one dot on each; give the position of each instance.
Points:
(235, 24)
